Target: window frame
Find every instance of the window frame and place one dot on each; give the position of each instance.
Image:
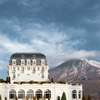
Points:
(21, 94)
(42, 62)
(38, 93)
(12, 94)
(30, 93)
(13, 61)
(47, 93)
(34, 62)
(74, 94)
(28, 62)
(79, 94)
(22, 62)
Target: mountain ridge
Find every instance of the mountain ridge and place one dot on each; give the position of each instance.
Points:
(82, 71)
(76, 69)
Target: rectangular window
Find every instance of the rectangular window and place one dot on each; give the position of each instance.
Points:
(42, 70)
(34, 69)
(14, 76)
(28, 68)
(42, 76)
(22, 69)
(18, 68)
(14, 69)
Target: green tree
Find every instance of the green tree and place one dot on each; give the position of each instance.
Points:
(63, 96)
(9, 79)
(0, 97)
(52, 80)
(89, 97)
(1, 81)
(84, 97)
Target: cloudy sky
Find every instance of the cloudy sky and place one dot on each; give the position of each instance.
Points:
(60, 29)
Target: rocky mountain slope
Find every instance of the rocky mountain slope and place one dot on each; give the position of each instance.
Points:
(82, 71)
(76, 70)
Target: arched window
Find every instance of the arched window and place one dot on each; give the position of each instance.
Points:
(30, 93)
(38, 94)
(79, 94)
(22, 62)
(21, 94)
(34, 62)
(13, 61)
(47, 93)
(74, 94)
(12, 94)
(42, 62)
(28, 62)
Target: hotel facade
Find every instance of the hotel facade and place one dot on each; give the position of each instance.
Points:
(28, 76)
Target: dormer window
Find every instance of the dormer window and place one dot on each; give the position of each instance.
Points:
(34, 62)
(28, 62)
(42, 62)
(14, 62)
(22, 62)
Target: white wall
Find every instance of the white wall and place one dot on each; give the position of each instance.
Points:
(56, 89)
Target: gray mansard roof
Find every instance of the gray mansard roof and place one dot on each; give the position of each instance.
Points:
(25, 56)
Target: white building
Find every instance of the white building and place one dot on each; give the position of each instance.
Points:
(32, 67)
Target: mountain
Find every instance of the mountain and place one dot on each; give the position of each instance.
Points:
(76, 69)
(82, 71)
(92, 62)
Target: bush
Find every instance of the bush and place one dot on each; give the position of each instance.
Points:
(43, 82)
(1, 81)
(31, 82)
(62, 82)
(15, 82)
(26, 97)
(34, 98)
